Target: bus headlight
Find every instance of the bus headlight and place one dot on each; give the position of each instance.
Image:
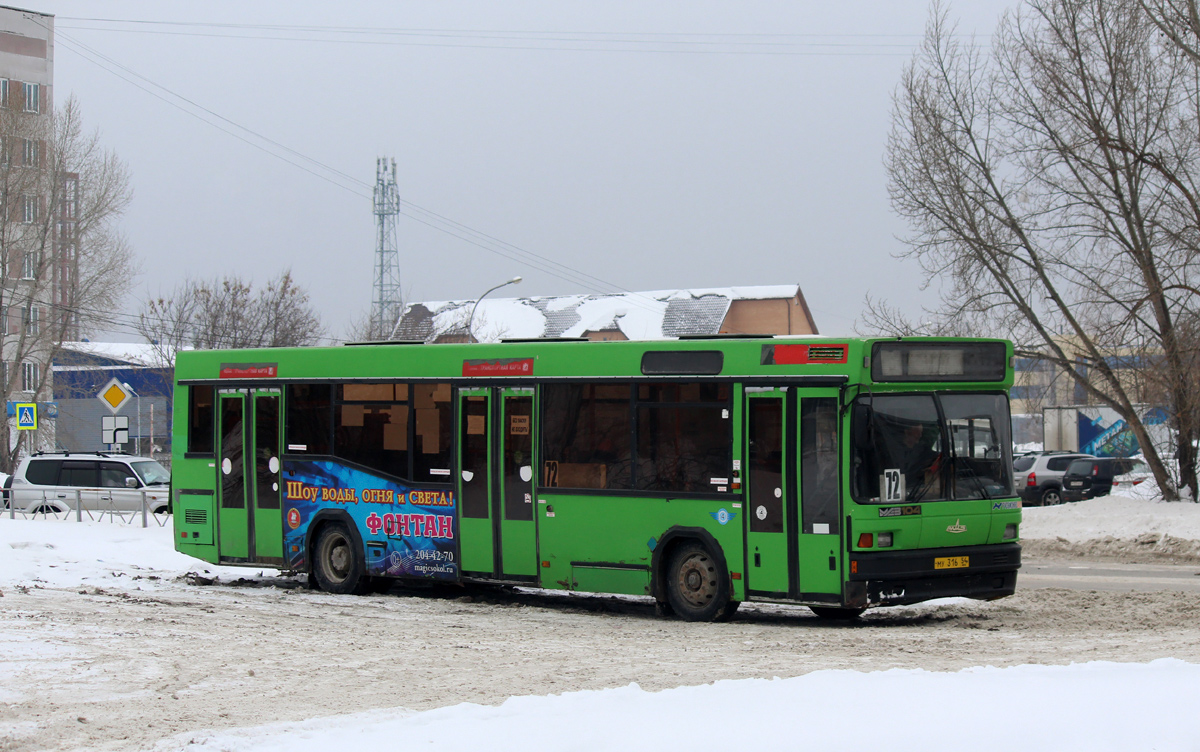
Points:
(1010, 531)
(885, 540)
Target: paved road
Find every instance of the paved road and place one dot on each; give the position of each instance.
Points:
(1109, 577)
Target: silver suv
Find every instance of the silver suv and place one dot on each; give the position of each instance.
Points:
(1038, 476)
(50, 483)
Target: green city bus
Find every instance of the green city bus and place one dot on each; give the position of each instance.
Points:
(840, 474)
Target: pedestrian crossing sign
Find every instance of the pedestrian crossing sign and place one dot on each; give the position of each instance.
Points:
(27, 416)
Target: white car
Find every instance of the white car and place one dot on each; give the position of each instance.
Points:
(51, 483)
(1138, 473)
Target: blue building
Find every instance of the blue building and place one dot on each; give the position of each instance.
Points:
(83, 369)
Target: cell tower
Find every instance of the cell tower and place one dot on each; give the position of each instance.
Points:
(386, 304)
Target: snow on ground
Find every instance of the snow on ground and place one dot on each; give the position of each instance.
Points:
(1093, 706)
(63, 554)
(1116, 516)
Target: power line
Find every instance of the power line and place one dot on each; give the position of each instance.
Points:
(724, 43)
(442, 223)
(857, 49)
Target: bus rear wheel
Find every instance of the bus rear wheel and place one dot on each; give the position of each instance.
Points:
(337, 566)
(697, 584)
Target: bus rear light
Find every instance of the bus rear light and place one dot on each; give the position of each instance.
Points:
(885, 540)
(866, 540)
(1031, 480)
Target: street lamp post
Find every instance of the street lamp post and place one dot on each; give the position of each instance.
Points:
(471, 320)
(139, 412)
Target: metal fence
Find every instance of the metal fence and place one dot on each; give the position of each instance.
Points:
(47, 509)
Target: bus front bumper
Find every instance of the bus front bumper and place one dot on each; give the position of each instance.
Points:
(898, 578)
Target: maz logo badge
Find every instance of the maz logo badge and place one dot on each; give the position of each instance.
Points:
(723, 515)
(957, 527)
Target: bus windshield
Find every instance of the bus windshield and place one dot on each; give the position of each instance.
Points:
(926, 447)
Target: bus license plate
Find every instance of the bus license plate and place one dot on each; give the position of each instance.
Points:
(951, 562)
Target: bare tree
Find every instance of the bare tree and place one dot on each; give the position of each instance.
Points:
(1179, 20)
(1050, 185)
(63, 263)
(229, 313)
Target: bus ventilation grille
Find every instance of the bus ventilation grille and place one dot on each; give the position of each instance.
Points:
(826, 353)
(195, 516)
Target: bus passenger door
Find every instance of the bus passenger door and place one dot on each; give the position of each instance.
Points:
(818, 459)
(476, 551)
(767, 476)
(234, 524)
(267, 506)
(518, 533)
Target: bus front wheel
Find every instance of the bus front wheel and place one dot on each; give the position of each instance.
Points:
(697, 584)
(337, 566)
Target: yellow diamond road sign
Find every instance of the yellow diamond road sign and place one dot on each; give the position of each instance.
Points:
(114, 395)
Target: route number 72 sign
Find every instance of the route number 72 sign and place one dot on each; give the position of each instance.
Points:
(892, 484)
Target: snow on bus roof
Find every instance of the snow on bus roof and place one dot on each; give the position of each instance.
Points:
(654, 314)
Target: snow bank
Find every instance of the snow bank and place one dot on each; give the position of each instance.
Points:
(1116, 516)
(1092, 706)
(64, 553)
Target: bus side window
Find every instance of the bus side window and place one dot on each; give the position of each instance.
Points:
(370, 426)
(433, 418)
(200, 420)
(309, 418)
(586, 435)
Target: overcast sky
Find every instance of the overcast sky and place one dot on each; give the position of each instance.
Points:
(646, 145)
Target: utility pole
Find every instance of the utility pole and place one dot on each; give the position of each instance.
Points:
(386, 305)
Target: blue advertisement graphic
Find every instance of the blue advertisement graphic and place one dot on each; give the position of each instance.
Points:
(1104, 433)
(407, 531)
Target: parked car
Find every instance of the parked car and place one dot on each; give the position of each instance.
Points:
(103, 482)
(1038, 476)
(1090, 478)
(1137, 474)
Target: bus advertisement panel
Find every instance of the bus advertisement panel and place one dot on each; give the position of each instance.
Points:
(407, 532)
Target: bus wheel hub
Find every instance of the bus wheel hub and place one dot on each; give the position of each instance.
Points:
(697, 587)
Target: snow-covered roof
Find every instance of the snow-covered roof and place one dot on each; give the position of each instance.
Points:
(656, 314)
(131, 353)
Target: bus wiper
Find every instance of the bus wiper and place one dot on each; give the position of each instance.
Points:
(974, 475)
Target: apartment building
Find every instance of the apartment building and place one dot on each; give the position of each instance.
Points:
(38, 207)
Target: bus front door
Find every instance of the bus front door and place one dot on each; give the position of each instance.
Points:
(233, 523)
(793, 494)
(768, 564)
(817, 458)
